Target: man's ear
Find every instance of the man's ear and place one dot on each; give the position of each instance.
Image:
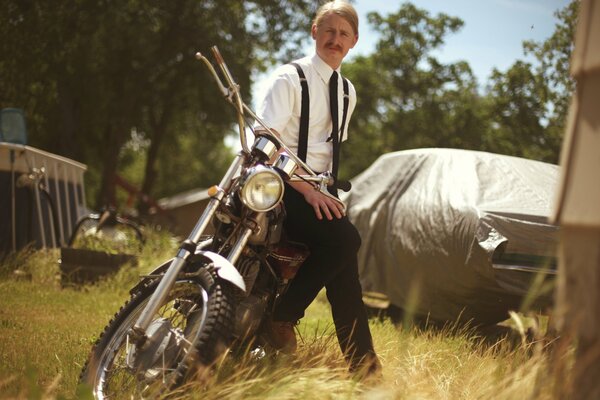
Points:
(355, 41)
(313, 31)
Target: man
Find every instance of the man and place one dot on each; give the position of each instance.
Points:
(312, 217)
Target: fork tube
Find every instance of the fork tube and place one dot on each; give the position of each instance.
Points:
(239, 246)
(159, 295)
(168, 280)
(214, 202)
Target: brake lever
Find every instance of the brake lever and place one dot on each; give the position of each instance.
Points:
(322, 181)
(345, 186)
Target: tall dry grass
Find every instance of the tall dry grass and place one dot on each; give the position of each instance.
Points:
(46, 332)
(417, 364)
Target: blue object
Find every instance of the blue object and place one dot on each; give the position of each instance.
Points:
(12, 126)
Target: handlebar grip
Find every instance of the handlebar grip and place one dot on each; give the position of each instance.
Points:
(344, 185)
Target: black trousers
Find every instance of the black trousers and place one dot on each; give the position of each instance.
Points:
(332, 264)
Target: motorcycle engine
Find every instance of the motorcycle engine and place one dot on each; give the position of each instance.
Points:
(249, 313)
(251, 307)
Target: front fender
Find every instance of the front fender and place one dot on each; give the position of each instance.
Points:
(224, 269)
(160, 270)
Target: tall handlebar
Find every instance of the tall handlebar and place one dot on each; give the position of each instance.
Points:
(231, 91)
(232, 94)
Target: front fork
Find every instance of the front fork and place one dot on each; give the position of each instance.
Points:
(138, 332)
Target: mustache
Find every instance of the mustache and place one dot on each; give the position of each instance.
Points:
(330, 45)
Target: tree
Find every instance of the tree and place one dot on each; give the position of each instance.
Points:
(554, 58)
(516, 110)
(89, 72)
(407, 98)
(528, 103)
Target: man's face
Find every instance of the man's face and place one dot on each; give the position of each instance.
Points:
(334, 38)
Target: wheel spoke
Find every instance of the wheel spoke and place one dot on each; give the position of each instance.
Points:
(179, 315)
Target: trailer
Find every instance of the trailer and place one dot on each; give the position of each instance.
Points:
(42, 196)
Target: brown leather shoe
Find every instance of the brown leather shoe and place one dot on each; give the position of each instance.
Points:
(281, 336)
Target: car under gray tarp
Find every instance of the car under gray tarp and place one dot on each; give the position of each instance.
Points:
(455, 234)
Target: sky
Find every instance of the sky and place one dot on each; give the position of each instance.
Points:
(492, 34)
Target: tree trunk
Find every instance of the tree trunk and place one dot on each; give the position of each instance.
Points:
(578, 299)
(113, 142)
(159, 126)
(67, 143)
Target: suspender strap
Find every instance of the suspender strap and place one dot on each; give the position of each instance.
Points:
(336, 152)
(346, 104)
(304, 115)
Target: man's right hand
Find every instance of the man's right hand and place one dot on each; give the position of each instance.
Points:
(321, 203)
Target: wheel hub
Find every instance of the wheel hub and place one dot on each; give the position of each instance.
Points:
(159, 351)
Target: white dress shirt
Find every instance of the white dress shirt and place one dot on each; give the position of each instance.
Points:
(281, 105)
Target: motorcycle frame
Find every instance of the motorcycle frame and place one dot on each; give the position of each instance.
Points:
(224, 267)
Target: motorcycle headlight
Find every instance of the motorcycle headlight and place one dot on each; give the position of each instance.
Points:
(262, 189)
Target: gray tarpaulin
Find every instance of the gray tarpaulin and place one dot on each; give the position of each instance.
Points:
(435, 221)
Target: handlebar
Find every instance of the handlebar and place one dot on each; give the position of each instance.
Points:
(232, 90)
(344, 185)
(324, 180)
(232, 93)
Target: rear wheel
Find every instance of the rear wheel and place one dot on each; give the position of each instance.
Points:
(192, 328)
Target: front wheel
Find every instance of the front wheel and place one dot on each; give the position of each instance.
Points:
(192, 328)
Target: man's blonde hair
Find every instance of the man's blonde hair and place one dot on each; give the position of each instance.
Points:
(341, 8)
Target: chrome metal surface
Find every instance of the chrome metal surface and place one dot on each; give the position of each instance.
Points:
(212, 205)
(265, 146)
(159, 295)
(239, 246)
(522, 268)
(286, 165)
(125, 371)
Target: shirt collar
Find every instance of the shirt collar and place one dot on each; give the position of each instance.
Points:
(323, 69)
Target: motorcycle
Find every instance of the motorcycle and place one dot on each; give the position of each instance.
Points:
(220, 288)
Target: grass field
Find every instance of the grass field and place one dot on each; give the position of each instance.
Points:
(46, 332)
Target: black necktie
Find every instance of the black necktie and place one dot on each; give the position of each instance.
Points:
(333, 106)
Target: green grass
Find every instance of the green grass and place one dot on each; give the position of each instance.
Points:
(46, 332)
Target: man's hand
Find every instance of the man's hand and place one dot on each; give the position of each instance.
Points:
(322, 204)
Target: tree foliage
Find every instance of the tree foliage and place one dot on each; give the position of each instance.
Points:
(516, 109)
(88, 72)
(529, 103)
(408, 99)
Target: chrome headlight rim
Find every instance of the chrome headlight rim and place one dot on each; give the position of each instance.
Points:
(251, 186)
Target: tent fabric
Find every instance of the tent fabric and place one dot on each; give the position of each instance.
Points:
(434, 221)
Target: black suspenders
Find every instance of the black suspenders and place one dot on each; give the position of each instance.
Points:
(304, 115)
(305, 111)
